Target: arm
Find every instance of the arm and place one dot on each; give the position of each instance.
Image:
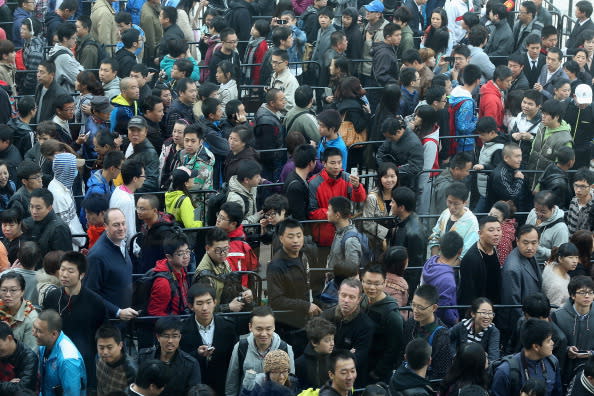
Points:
(233, 383)
(276, 289)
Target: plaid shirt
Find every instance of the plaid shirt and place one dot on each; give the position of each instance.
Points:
(579, 218)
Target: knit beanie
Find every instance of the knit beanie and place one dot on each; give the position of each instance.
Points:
(276, 360)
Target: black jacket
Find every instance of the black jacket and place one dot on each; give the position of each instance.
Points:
(23, 363)
(411, 234)
(385, 63)
(50, 233)
(127, 60)
(214, 371)
(47, 109)
(239, 17)
(406, 382)
(556, 180)
(184, 370)
(312, 368)
(146, 154)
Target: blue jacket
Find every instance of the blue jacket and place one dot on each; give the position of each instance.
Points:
(19, 16)
(339, 144)
(64, 367)
(442, 277)
(167, 65)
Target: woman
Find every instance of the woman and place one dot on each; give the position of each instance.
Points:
(583, 240)
(395, 261)
(7, 187)
(377, 204)
(276, 379)
(89, 86)
(178, 200)
(425, 126)
(228, 89)
(504, 212)
(479, 328)
(17, 312)
(236, 115)
(169, 158)
(468, 368)
(241, 140)
(33, 53)
(339, 68)
(256, 49)
(13, 231)
(555, 276)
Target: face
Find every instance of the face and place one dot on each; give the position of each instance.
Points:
(348, 299)
(43, 335)
(278, 64)
(455, 205)
(11, 293)
(230, 43)
(581, 188)
(528, 243)
(347, 20)
(25, 32)
(581, 59)
(373, 284)
(324, 21)
(262, 327)
(169, 340)
(136, 135)
(562, 92)
(178, 134)
(569, 263)
(583, 297)
(133, 91)
(326, 345)
(109, 350)
(191, 143)
(543, 212)
(529, 107)
(516, 68)
(189, 95)
(69, 275)
(181, 257)
(490, 234)
(553, 61)
(484, 315)
(333, 165)
(66, 112)
(497, 214)
(422, 309)
(344, 375)
(106, 73)
(39, 210)
(203, 308)
(436, 20)
(116, 226)
(461, 173)
(389, 180)
(43, 77)
(292, 240)
(218, 251)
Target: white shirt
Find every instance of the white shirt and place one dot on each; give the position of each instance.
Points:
(207, 333)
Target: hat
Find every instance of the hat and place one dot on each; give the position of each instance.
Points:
(276, 360)
(583, 94)
(375, 6)
(101, 104)
(138, 122)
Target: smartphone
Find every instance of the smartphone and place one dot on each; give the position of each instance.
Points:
(355, 171)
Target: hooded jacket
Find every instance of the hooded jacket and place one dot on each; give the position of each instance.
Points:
(312, 368)
(67, 67)
(385, 67)
(553, 232)
(466, 226)
(163, 301)
(465, 118)
(23, 364)
(406, 379)
(236, 192)
(442, 277)
(490, 156)
(491, 104)
(64, 366)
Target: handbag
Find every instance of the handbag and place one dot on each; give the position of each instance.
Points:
(349, 134)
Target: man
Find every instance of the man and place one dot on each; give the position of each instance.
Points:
(171, 31)
(53, 19)
(480, 272)
(110, 268)
(551, 73)
(209, 338)
(185, 370)
(126, 55)
(385, 61)
(182, 107)
(515, 62)
(520, 277)
(549, 221)
(342, 373)
(458, 169)
(462, 106)
(579, 114)
(411, 58)
(372, 33)
(338, 47)
(8, 152)
(87, 49)
(534, 59)
(47, 91)
(67, 67)
(133, 176)
(536, 357)
(456, 217)
(288, 276)
(108, 75)
(79, 322)
(227, 51)
(248, 353)
(29, 174)
(477, 40)
(115, 369)
(152, 377)
(412, 377)
(125, 105)
(354, 329)
(525, 25)
(403, 148)
(347, 243)
(501, 40)
(330, 182)
(18, 361)
(62, 366)
(423, 323)
(302, 117)
(44, 226)
(492, 94)
(583, 12)
(296, 187)
(386, 347)
(104, 27)
(25, 9)
(282, 78)
(580, 208)
(140, 149)
(556, 179)
(269, 132)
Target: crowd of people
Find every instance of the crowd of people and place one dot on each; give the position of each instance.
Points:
(296, 197)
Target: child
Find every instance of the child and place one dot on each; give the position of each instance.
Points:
(228, 89)
(320, 334)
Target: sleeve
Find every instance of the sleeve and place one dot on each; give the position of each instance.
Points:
(160, 298)
(71, 372)
(276, 296)
(233, 383)
(187, 215)
(353, 252)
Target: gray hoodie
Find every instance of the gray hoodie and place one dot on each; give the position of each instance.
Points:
(550, 234)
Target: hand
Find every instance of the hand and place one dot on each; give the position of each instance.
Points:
(519, 175)
(538, 87)
(478, 167)
(235, 305)
(241, 118)
(355, 181)
(314, 310)
(204, 352)
(128, 313)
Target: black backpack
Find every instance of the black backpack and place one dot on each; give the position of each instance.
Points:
(144, 285)
(214, 203)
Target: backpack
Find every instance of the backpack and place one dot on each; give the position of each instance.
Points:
(452, 110)
(242, 349)
(214, 203)
(367, 255)
(144, 285)
(515, 370)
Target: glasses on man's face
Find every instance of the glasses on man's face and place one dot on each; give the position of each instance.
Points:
(182, 253)
(585, 292)
(221, 251)
(9, 291)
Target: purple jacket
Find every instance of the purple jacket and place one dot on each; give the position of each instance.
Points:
(442, 277)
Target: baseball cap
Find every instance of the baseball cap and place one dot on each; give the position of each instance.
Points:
(138, 122)
(375, 6)
(101, 104)
(583, 94)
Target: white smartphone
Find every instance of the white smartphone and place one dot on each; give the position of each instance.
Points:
(355, 171)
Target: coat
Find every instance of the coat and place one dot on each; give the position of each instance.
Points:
(184, 369)
(64, 366)
(104, 29)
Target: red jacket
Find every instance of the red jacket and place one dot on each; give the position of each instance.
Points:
(491, 104)
(322, 187)
(241, 256)
(160, 302)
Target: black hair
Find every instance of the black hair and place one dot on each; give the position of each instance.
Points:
(418, 353)
(457, 190)
(76, 258)
(404, 196)
(535, 332)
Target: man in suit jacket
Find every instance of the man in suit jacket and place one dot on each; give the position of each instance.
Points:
(525, 25)
(417, 19)
(208, 338)
(47, 91)
(533, 60)
(551, 73)
(583, 12)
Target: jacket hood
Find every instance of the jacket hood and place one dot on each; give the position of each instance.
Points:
(236, 186)
(64, 167)
(58, 47)
(405, 378)
(433, 270)
(564, 126)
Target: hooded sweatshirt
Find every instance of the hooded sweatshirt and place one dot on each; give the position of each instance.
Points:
(442, 276)
(553, 232)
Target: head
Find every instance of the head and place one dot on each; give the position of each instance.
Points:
(109, 343)
(168, 332)
(339, 210)
(217, 245)
(536, 336)
(424, 303)
(343, 372)
(527, 239)
(230, 216)
(262, 326)
(73, 267)
(47, 328)
(115, 225)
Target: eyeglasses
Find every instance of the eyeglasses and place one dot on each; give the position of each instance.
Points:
(183, 253)
(417, 307)
(581, 292)
(9, 291)
(486, 314)
(220, 251)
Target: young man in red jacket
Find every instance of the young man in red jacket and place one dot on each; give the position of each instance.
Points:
(332, 181)
(162, 302)
(493, 94)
